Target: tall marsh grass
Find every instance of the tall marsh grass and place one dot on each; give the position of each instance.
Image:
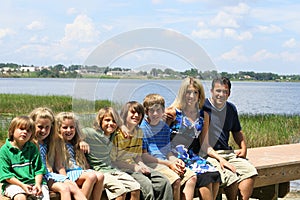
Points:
(270, 129)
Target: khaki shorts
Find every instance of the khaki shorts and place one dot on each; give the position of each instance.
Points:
(118, 182)
(244, 169)
(170, 174)
(13, 190)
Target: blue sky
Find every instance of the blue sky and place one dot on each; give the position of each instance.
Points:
(250, 35)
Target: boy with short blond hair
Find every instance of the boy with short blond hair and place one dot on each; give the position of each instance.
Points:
(157, 149)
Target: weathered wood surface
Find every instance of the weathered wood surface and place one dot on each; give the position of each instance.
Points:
(275, 164)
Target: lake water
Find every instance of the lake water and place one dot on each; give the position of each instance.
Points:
(249, 97)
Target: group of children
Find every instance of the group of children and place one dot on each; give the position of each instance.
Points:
(129, 155)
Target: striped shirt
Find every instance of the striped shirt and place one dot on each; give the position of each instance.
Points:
(127, 149)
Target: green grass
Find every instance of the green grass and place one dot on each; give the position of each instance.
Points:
(270, 129)
(259, 130)
(12, 105)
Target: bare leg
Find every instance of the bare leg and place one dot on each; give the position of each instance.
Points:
(122, 197)
(215, 189)
(189, 188)
(246, 188)
(98, 187)
(231, 191)
(62, 188)
(20, 197)
(205, 192)
(87, 181)
(75, 190)
(135, 195)
(176, 189)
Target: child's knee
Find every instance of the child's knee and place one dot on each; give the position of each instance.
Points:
(20, 197)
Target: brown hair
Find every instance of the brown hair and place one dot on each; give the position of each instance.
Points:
(153, 99)
(132, 105)
(107, 111)
(18, 122)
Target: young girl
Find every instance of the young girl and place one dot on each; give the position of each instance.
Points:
(50, 148)
(116, 182)
(90, 181)
(126, 155)
(22, 169)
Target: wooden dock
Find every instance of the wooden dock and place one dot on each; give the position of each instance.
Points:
(276, 166)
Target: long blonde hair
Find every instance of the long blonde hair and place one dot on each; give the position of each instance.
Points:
(179, 101)
(80, 157)
(53, 142)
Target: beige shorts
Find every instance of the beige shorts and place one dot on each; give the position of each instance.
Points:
(118, 182)
(170, 174)
(13, 190)
(244, 169)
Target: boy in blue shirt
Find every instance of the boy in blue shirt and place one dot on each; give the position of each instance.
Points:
(157, 149)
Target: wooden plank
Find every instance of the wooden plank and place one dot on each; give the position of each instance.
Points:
(271, 156)
(274, 175)
(275, 164)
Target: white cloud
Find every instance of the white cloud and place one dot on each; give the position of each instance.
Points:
(35, 39)
(263, 54)
(240, 9)
(290, 43)
(5, 32)
(235, 54)
(107, 27)
(269, 29)
(290, 57)
(81, 30)
(35, 25)
(207, 33)
(224, 19)
(232, 33)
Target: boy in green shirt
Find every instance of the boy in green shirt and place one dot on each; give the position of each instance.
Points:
(22, 169)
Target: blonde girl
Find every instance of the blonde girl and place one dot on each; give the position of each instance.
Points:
(50, 147)
(90, 181)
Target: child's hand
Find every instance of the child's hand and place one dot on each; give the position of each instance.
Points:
(125, 131)
(37, 190)
(169, 115)
(179, 166)
(85, 147)
(27, 188)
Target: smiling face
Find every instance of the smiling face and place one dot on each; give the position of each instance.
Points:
(42, 128)
(192, 96)
(108, 124)
(67, 129)
(219, 94)
(155, 114)
(133, 118)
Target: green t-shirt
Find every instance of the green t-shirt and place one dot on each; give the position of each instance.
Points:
(100, 147)
(23, 164)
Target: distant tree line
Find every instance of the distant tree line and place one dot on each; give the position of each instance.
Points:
(75, 71)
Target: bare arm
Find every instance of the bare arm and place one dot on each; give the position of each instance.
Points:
(241, 142)
(205, 146)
